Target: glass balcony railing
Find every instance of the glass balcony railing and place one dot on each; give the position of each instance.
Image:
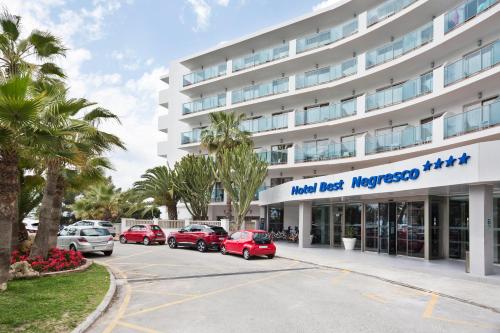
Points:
(400, 93)
(260, 57)
(274, 87)
(464, 12)
(260, 189)
(386, 9)
(473, 120)
(326, 74)
(203, 104)
(328, 36)
(264, 124)
(325, 113)
(192, 136)
(472, 63)
(400, 46)
(204, 74)
(408, 137)
(217, 195)
(324, 150)
(274, 157)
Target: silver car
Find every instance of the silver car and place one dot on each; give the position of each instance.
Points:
(85, 239)
(96, 224)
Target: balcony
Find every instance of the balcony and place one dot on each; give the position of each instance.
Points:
(323, 150)
(329, 36)
(408, 137)
(162, 148)
(326, 74)
(473, 63)
(400, 46)
(474, 120)
(274, 157)
(326, 113)
(274, 87)
(192, 136)
(400, 93)
(260, 189)
(203, 104)
(385, 10)
(163, 98)
(261, 57)
(217, 195)
(464, 12)
(265, 123)
(163, 123)
(204, 74)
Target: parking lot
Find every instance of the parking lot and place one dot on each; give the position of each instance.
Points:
(182, 290)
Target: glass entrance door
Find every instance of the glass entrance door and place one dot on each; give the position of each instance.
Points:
(459, 227)
(320, 228)
(371, 227)
(378, 227)
(435, 220)
(353, 214)
(338, 215)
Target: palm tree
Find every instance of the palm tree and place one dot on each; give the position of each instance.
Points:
(100, 202)
(157, 183)
(224, 133)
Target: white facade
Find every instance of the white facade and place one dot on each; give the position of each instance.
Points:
(357, 85)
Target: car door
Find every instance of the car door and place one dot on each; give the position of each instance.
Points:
(183, 235)
(232, 241)
(195, 233)
(245, 237)
(132, 235)
(62, 239)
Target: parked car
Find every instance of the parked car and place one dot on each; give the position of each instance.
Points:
(96, 224)
(31, 226)
(203, 237)
(143, 233)
(249, 243)
(86, 239)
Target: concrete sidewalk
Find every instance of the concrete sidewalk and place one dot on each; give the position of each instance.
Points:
(444, 277)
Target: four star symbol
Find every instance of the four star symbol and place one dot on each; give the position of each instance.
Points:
(438, 164)
(450, 162)
(427, 166)
(463, 159)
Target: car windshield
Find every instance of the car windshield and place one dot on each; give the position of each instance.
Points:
(105, 224)
(218, 230)
(94, 232)
(261, 238)
(155, 228)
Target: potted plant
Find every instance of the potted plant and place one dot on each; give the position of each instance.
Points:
(349, 238)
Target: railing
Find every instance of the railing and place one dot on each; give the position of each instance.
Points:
(266, 123)
(326, 113)
(326, 74)
(473, 120)
(203, 104)
(324, 151)
(274, 157)
(464, 12)
(164, 224)
(400, 93)
(408, 137)
(274, 87)
(217, 195)
(209, 223)
(473, 63)
(386, 9)
(328, 36)
(400, 46)
(260, 189)
(204, 74)
(191, 136)
(260, 57)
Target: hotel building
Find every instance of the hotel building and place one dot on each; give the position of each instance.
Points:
(379, 119)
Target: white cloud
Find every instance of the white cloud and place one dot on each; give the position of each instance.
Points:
(323, 4)
(202, 11)
(223, 3)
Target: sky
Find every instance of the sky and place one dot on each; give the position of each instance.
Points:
(118, 49)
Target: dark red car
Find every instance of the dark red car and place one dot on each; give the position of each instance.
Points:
(249, 243)
(203, 237)
(143, 233)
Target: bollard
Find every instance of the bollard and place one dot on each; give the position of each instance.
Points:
(467, 262)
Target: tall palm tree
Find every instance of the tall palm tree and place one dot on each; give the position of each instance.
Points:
(101, 201)
(157, 184)
(224, 133)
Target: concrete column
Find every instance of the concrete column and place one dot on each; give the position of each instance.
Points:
(438, 28)
(438, 79)
(291, 119)
(361, 105)
(292, 48)
(360, 145)
(427, 229)
(229, 65)
(291, 83)
(445, 229)
(481, 229)
(305, 217)
(361, 63)
(263, 215)
(330, 210)
(291, 155)
(438, 130)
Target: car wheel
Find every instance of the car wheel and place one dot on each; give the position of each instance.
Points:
(108, 253)
(223, 249)
(246, 254)
(172, 243)
(146, 241)
(123, 240)
(161, 243)
(201, 246)
(72, 247)
(270, 256)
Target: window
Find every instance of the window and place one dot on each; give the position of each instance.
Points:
(135, 228)
(71, 232)
(94, 232)
(105, 224)
(155, 228)
(235, 236)
(244, 235)
(279, 181)
(196, 228)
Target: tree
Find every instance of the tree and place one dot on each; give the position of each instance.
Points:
(223, 134)
(241, 172)
(193, 180)
(157, 184)
(99, 202)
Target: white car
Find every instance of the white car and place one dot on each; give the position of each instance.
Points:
(31, 225)
(96, 224)
(86, 239)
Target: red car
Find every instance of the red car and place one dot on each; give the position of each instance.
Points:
(143, 233)
(249, 243)
(203, 237)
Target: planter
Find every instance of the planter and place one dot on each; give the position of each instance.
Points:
(349, 243)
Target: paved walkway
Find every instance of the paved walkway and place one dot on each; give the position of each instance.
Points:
(444, 277)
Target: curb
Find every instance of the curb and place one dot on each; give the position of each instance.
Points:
(402, 284)
(84, 267)
(101, 308)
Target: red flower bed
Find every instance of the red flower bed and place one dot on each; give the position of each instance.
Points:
(58, 260)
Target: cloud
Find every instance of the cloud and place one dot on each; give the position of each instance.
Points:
(223, 3)
(202, 11)
(324, 4)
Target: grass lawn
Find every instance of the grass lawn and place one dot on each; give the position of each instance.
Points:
(52, 304)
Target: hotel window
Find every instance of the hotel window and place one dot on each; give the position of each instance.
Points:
(280, 180)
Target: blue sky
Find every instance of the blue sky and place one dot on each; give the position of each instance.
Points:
(119, 49)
